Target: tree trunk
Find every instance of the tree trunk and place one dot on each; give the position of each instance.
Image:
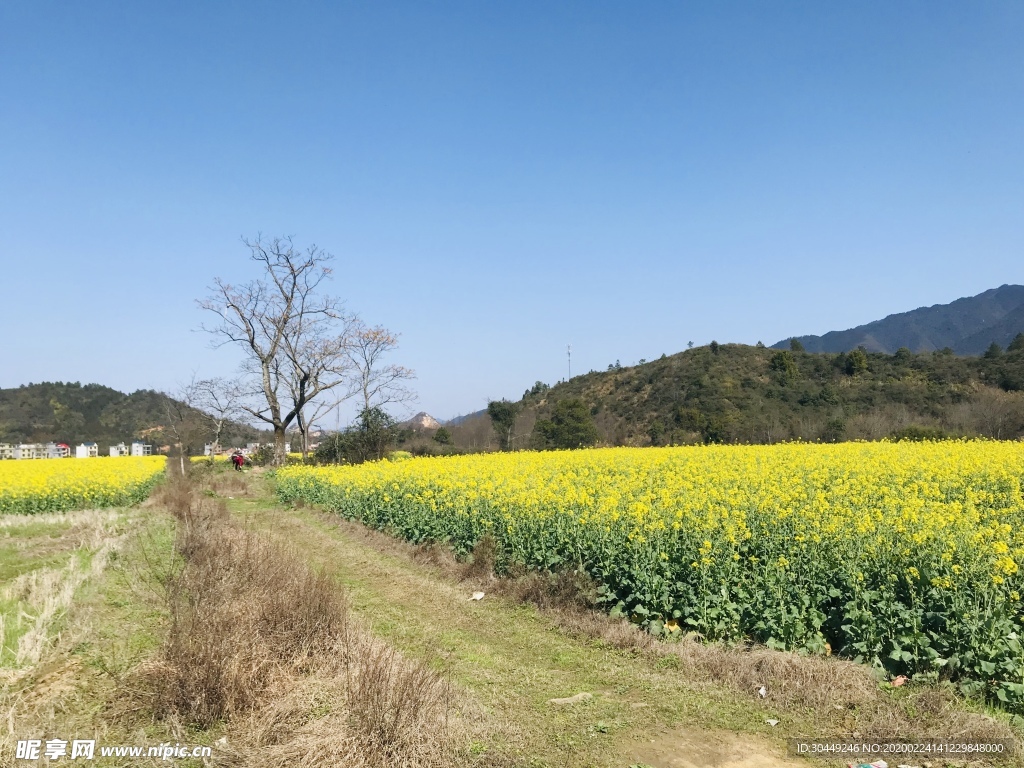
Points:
(303, 430)
(280, 455)
(215, 445)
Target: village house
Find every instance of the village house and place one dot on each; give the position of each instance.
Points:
(87, 451)
(29, 451)
(57, 450)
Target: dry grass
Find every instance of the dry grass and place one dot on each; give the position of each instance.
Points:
(259, 641)
(849, 695)
(391, 699)
(232, 484)
(480, 564)
(40, 597)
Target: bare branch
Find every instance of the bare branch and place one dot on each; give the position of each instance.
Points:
(294, 339)
(221, 399)
(184, 422)
(377, 382)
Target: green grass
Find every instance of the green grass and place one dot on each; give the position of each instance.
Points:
(32, 545)
(28, 546)
(126, 606)
(115, 623)
(17, 561)
(512, 659)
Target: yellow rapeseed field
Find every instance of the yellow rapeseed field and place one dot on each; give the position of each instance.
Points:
(56, 485)
(904, 555)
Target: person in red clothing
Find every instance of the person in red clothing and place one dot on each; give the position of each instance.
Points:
(238, 460)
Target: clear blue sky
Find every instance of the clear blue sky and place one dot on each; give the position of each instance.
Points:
(500, 179)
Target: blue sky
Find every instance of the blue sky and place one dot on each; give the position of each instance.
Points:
(498, 180)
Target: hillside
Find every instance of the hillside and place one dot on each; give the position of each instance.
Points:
(73, 413)
(967, 326)
(738, 393)
(456, 420)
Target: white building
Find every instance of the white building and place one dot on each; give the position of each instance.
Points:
(141, 449)
(35, 451)
(119, 450)
(57, 450)
(87, 451)
(29, 451)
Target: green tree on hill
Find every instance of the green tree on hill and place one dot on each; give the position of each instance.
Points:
(570, 426)
(784, 366)
(856, 362)
(834, 430)
(503, 419)
(656, 431)
(795, 345)
(1017, 345)
(70, 423)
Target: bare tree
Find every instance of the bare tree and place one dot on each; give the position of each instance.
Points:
(313, 374)
(186, 424)
(306, 421)
(287, 330)
(990, 412)
(221, 399)
(377, 382)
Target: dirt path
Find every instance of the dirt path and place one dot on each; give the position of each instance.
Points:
(510, 661)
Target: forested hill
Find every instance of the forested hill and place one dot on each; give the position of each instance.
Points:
(968, 326)
(74, 413)
(737, 393)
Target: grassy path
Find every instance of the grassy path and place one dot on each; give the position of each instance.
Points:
(511, 660)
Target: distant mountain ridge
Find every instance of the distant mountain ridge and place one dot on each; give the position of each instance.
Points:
(71, 412)
(456, 420)
(733, 393)
(968, 326)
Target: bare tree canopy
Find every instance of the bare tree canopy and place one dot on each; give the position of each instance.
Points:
(294, 338)
(221, 400)
(378, 383)
(185, 423)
